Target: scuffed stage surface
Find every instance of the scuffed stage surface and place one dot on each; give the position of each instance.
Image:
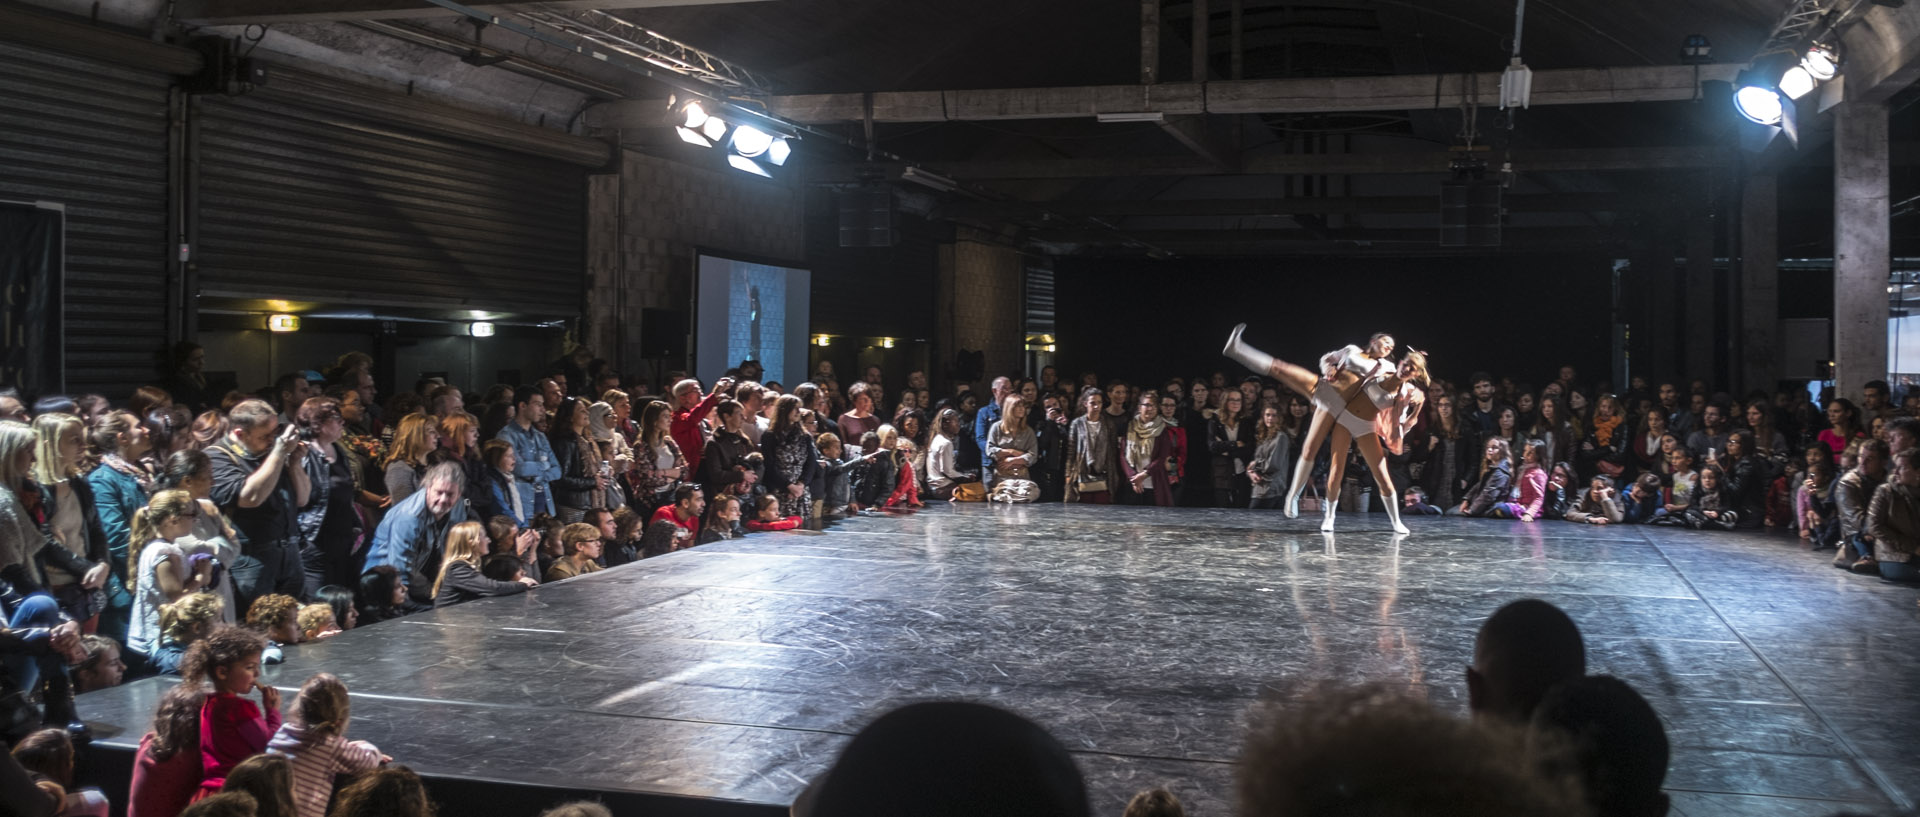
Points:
(730, 674)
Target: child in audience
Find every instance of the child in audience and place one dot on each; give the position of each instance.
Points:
(316, 622)
(502, 567)
(767, 517)
(1559, 494)
(232, 728)
(1713, 504)
(224, 804)
(1598, 506)
(723, 517)
(389, 791)
(1158, 802)
(1643, 499)
(1820, 522)
(382, 595)
(839, 468)
(268, 779)
(1530, 486)
(162, 572)
(460, 577)
(315, 741)
(278, 618)
(182, 624)
(906, 489)
(49, 753)
(1780, 496)
(1681, 482)
(102, 668)
(166, 769)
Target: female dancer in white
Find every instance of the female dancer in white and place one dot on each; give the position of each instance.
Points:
(1380, 402)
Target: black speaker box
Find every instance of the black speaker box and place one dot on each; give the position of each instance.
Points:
(866, 218)
(1470, 213)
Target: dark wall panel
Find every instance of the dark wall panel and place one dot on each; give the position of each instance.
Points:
(93, 136)
(296, 202)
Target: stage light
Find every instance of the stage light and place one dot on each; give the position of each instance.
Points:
(740, 162)
(750, 141)
(1759, 104)
(714, 128)
(1822, 61)
(480, 329)
(693, 137)
(1758, 90)
(778, 152)
(1696, 50)
(1796, 82)
(283, 323)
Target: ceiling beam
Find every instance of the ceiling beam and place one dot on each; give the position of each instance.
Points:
(238, 12)
(1413, 235)
(1286, 164)
(1571, 86)
(1540, 203)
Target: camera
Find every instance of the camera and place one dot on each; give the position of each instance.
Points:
(303, 433)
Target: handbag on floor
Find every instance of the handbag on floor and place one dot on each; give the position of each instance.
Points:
(1016, 490)
(969, 492)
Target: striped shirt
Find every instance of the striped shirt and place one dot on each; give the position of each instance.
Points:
(316, 763)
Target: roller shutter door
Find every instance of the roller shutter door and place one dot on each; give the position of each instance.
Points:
(93, 136)
(299, 202)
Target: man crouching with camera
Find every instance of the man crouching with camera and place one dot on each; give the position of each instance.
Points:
(260, 484)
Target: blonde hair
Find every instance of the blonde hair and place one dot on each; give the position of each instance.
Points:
(49, 468)
(466, 542)
(165, 507)
(410, 442)
(15, 438)
(888, 435)
(315, 619)
(179, 619)
(1006, 413)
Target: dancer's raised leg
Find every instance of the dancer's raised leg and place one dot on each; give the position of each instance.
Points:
(1377, 462)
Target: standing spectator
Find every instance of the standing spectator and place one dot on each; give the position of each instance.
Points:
(293, 390)
(1552, 426)
(732, 463)
(1486, 406)
(859, 419)
(1092, 468)
(1230, 439)
(1143, 457)
(582, 483)
(1272, 457)
(534, 466)
(1875, 401)
(74, 568)
(120, 485)
(412, 539)
(260, 483)
(417, 436)
(659, 465)
(330, 525)
(791, 459)
(1450, 460)
(689, 410)
(188, 380)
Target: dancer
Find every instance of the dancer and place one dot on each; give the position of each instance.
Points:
(1354, 387)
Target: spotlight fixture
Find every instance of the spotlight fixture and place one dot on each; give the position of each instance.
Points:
(750, 141)
(740, 162)
(1696, 50)
(778, 152)
(1761, 92)
(1759, 104)
(1822, 61)
(697, 127)
(1796, 82)
(283, 323)
(480, 329)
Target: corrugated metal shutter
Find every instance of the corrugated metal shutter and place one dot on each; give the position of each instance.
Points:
(93, 136)
(301, 203)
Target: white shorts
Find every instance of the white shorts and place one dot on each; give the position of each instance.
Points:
(1327, 398)
(1354, 425)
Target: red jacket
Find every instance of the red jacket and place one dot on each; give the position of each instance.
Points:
(788, 523)
(691, 525)
(687, 432)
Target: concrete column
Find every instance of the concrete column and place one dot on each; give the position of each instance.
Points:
(978, 303)
(1759, 341)
(1149, 41)
(606, 319)
(1200, 46)
(1861, 245)
(1697, 353)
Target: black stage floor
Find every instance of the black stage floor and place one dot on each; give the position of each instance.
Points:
(725, 677)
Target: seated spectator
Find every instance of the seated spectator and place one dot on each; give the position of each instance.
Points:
(1819, 514)
(212, 536)
(584, 808)
(166, 768)
(1495, 482)
(1599, 505)
(460, 578)
(582, 544)
(224, 804)
(1154, 803)
(1852, 496)
(315, 743)
(277, 618)
(723, 519)
(1373, 752)
(268, 780)
(766, 516)
(389, 791)
(382, 595)
(102, 667)
(1749, 472)
(1681, 482)
(183, 624)
(340, 601)
(73, 565)
(623, 543)
(684, 513)
(49, 753)
(503, 567)
(232, 727)
(316, 622)
(1609, 738)
(659, 539)
(1894, 519)
(1522, 650)
(413, 535)
(943, 468)
(949, 758)
(1711, 439)
(1532, 485)
(1414, 501)
(1713, 503)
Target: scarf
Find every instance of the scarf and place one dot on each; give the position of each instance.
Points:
(1603, 429)
(140, 475)
(1140, 440)
(600, 416)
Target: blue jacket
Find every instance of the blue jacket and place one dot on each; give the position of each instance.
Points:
(412, 541)
(533, 464)
(983, 425)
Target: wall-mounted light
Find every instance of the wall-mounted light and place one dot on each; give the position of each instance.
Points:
(283, 323)
(822, 340)
(886, 343)
(480, 329)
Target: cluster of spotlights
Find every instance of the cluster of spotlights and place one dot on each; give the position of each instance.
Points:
(748, 148)
(1763, 91)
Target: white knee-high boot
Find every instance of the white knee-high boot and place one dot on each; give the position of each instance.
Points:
(1393, 513)
(1248, 356)
(1302, 470)
(1326, 524)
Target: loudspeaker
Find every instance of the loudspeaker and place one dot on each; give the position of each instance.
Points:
(866, 218)
(663, 333)
(1470, 213)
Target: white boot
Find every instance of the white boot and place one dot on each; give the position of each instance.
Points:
(1293, 505)
(1327, 523)
(1248, 356)
(1393, 513)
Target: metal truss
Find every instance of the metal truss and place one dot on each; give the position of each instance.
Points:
(656, 49)
(1803, 18)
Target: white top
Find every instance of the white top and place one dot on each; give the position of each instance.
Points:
(1349, 358)
(206, 537)
(940, 462)
(143, 632)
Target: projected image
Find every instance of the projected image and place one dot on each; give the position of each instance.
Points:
(754, 312)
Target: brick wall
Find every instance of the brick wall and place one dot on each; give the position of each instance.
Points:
(979, 306)
(644, 226)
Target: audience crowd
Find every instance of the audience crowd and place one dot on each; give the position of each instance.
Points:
(201, 535)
